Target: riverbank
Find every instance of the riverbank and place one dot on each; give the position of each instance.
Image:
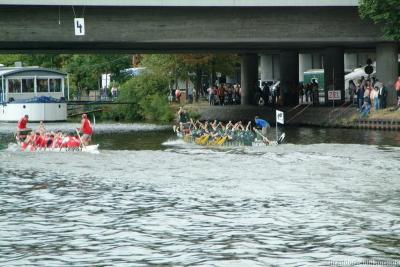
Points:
(301, 115)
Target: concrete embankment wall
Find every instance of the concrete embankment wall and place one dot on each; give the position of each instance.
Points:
(302, 115)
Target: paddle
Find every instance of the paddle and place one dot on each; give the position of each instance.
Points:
(79, 136)
(265, 139)
(203, 139)
(222, 140)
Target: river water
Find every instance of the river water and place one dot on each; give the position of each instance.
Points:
(147, 199)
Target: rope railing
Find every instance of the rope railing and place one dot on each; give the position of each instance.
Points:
(298, 113)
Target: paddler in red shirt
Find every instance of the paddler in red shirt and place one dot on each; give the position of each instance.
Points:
(73, 142)
(39, 141)
(23, 122)
(22, 129)
(86, 129)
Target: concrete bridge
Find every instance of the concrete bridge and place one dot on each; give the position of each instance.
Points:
(278, 29)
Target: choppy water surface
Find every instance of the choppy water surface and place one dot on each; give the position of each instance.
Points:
(149, 200)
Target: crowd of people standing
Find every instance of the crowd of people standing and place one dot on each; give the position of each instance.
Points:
(224, 94)
(368, 95)
(309, 93)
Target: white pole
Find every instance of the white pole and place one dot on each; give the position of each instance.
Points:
(3, 89)
(35, 85)
(68, 87)
(333, 93)
(6, 89)
(63, 87)
(276, 126)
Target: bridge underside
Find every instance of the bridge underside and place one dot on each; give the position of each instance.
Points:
(182, 47)
(183, 29)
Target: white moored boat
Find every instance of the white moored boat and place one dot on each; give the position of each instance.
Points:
(37, 92)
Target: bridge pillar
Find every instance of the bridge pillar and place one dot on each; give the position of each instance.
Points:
(276, 67)
(317, 61)
(305, 63)
(387, 69)
(334, 71)
(266, 67)
(289, 68)
(249, 79)
(350, 61)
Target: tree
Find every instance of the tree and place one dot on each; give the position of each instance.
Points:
(193, 66)
(385, 13)
(8, 60)
(85, 70)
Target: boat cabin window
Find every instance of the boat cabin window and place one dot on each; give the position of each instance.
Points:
(55, 85)
(28, 86)
(42, 85)
(14, 86)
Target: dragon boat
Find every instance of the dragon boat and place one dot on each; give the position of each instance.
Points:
(243, 138)
(21, 135)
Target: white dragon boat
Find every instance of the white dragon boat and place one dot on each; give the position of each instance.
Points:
(20, 136)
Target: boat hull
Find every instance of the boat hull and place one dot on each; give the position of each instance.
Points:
(88, 149)
(225, 142)
(12, 112)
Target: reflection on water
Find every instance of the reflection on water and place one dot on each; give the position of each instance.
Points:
(141, 203)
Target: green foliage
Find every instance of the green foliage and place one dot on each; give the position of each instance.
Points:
(156, 108)
(51, 61)
(9, 60)
(190, 66)
(148, 96)
(194, 115)
(385, 13)
(85, 70)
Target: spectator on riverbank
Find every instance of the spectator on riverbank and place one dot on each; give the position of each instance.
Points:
(352, 90)
(237, 93)
(367, 91)
(221, 94)
(171, 96)
(397, 87)
(178, 95)
(315, 92)
(308, 93)
(366, 107)
(374, 98)
(360, 94)
(301, 92)
(190, 94)
(211, 95)
(229, 91)
(382, 95)
(114, 92)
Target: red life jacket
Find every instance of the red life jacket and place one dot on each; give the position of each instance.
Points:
(22, 123)
(40, 142)
(73, 142)
(87, 128)
(59, 142)
(24, 145)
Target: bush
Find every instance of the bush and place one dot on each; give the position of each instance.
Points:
(148, 96)
(156, 108)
